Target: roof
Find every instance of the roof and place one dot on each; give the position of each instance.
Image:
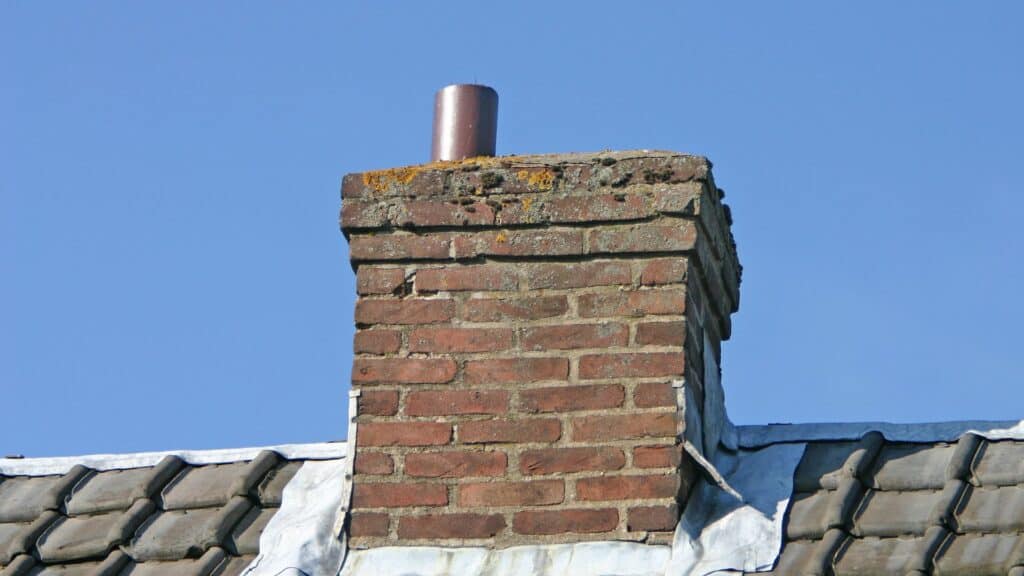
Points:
(181, 513)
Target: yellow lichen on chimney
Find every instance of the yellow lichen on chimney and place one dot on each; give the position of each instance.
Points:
(541, 180)
(381, 180)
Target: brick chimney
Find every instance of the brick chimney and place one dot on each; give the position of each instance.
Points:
(527, 327)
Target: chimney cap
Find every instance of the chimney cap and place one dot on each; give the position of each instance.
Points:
(465, 122)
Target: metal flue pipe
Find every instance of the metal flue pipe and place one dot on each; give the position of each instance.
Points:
(465, 122)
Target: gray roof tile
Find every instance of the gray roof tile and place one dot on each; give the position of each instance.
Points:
(78, 538)
(807, 515)
(1000, 464)
(822, 465)
(912, 467)
(118, 489)
(180, 534)
(876, 556)
(272, 486)
(245, 538)
(978, 555)
(205, 565)
(24, 498)
(992, 510)
(215, 484)
(234, 566)
(895, 513)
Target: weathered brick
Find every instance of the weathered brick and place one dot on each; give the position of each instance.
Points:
(644, 238)
(569, 336)
(657, 456)
(356, 214)
(654, 394)
(403, 370)
(378, 402)
(661, 333)
(403, 433)
(631, 365)
(577, 275)
(632, 303)
(499, 309)
(445, 526)
(427, 213)
(535, 493)
(519, 243)
(570, 398)
(454, 464)
(454, 279)
(378, 280)
(599, 208)
(497, 431)
(398, 495)
(407, 311)
(367, 524)
(456, 402)
(568, 460)
(627, 487)
(664, 271)
(377, 341)
(621, 427)
(652, 518)
(399, 247)
(513, 370)
(374, 463)
(460, 339)
(544, 522)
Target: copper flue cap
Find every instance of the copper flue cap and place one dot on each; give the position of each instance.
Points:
(465, 122)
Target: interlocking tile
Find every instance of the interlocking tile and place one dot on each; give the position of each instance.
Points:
(978, 555)
(24, 498)
(795, 556)
(234, 566)
(822, 465)
(992, 510)
(273, 485)
(179, 534)
(215, 484)
(807, 515)
(877, 556)
(245, 538)
(82, 569)
(1000, 463)
(118, 489)
(912, 467)
(92, 536)
(202, 566)
(895, 513)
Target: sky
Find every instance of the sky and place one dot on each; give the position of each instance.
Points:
(172, 274)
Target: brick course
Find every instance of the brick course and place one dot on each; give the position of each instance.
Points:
(517, 342)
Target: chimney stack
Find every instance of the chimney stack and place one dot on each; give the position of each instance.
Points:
(465, 122)
(538, 340)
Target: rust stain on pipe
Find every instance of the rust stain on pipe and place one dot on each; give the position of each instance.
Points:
(465, 122)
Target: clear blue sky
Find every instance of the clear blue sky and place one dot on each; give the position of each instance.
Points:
(173, 275)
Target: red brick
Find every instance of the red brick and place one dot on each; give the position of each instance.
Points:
(356, 214)
(399, 247)
(377, 280)
(378, 402)
(398, 495)
(568, 460)
(403, 433)
(512, 370)
(657, 456)
(408, 311)
(495, 431)
(633, 303)
(426, 213)
(570, 336)
(570, 398)
(520, 243)
(627, 487)
(664, 271)
(661, 333)
(368, 524)
(374, 463)
(602, 428)
(460, 339)
(631, 365)
(455, 464)
(499, 309)
(599, 208)
(403, 370)
(537, 493)
(652, 518)
(377, 341)
(644, 238)
(563, 521)
(654, 394)
(455, 402)
(577, 275)
(444, 526)
(485, 277)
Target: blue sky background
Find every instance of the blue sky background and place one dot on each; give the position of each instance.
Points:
(172, 275)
